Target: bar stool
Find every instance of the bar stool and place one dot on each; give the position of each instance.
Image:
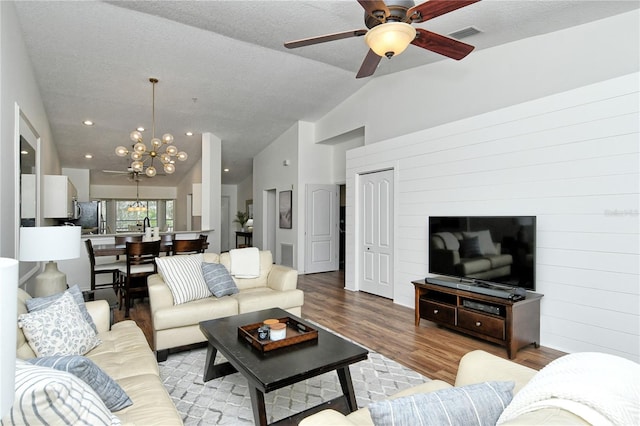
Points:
(102, 268)
(187, 246)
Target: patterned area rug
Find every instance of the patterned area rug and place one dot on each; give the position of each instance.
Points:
(226, 400)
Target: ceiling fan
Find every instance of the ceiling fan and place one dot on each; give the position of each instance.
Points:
(390, 31)
(130, 174)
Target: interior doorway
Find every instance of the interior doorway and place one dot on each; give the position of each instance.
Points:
(270, 221)
(342, 226)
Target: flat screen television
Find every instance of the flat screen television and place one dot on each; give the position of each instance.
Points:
(495, 249)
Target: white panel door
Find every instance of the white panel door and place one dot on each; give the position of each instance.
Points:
(376, 230)
(322, 235)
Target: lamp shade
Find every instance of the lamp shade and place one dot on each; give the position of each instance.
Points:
(390, 38)
(8, 325)
(47, 243)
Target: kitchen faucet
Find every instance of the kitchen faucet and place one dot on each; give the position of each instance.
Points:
(146, 224)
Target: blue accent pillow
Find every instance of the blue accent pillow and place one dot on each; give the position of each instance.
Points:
(470, 247)
(218, 279)
(39, 303)
(113, 396)
(477, 404)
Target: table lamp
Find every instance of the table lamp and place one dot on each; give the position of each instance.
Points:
(8, 324)
(50, 243)
(249, 225)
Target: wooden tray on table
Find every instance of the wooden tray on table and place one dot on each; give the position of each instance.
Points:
(297, 332)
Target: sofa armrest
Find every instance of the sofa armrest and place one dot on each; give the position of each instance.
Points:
(327, 417)
(282, 278)
(100, 314)
(480, 366)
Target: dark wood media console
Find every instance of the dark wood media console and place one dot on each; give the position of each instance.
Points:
(511, 324)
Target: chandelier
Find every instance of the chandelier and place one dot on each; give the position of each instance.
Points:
(142, 157)
(137, 206)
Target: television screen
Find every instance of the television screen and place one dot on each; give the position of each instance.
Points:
(497, 249)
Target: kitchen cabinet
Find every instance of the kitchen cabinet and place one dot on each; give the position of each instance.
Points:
(60, 197)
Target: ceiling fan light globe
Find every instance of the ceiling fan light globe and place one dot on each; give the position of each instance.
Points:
(151, 171)
(182, 156)
(390, 38)
(172, 150)
(135, 136)
(169, 168)
(121, 151)
(167, 138)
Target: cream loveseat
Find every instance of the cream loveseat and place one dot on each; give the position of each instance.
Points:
(125, 356)
(177, 325)
(577, 389)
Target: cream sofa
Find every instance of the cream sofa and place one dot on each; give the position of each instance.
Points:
(125, 356)
(616, 391)
(178, 325)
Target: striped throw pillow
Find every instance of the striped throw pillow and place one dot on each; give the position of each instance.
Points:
(47, 396)
(477, 404)
(183, 275)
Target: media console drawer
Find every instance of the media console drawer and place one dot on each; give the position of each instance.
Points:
(512, 324)
(481, 323)
(437, 312)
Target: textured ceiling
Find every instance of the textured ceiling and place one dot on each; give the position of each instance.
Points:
(223, 68)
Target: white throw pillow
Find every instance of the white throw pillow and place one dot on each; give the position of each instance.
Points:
(183, 275)
(59, 329)
(47, 396)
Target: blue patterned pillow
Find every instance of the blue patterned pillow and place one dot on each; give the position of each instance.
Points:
(218, 279)
(47, 396)
(38, 303)
(478, 404)
(113, 396)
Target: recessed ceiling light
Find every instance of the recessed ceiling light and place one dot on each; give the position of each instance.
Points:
(89, 156)
(189, 133)
(225, 170)
(140, 129)
(87, 123)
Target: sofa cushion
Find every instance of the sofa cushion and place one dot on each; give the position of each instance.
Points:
(477, 404)
(257, 299)
(183, 275)
(448, 241)
(39, 303)
(58, 329)
(47, 396)
(86, 370)
(218, 279)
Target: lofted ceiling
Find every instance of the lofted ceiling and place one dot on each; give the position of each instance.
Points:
(222, 68)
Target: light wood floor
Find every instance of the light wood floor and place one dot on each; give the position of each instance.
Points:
(384, 327)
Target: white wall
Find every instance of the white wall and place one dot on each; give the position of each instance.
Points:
(268, 174)
(17, 84)
(572, 160)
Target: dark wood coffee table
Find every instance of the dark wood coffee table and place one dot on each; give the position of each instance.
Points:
(280, 367)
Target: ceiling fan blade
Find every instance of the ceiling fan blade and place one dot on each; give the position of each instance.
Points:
(118, 172)
(434, 8)
(369, 64)
(441, 44)
(324, 38)
(371, 6)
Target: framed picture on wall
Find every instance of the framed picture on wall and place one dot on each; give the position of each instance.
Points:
(284, 209)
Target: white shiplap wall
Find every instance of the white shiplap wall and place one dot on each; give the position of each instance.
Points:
(572, 160)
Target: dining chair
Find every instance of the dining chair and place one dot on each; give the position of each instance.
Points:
(111, 267)
(187, 246)
(166, 241)
(140, 264)
(123, 239)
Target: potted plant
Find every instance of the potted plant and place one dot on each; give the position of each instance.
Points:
(241, 218)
